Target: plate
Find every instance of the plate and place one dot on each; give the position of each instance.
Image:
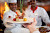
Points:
(17, 22)
(11, 21)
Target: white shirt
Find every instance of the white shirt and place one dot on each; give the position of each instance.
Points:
(6, 15)
(39, 14)
(20, 30)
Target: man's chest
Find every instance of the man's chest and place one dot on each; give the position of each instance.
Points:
(13, 15)
(36, 14)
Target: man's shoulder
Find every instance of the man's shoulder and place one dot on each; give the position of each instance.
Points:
(28, 9)
(8, 12)
(40, 8)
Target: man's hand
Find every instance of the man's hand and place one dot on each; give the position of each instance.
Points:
(31, 26)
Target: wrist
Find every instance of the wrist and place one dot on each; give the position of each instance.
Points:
(32, 29)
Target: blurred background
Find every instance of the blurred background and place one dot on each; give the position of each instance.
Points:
(3, 7)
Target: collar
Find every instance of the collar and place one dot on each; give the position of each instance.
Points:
(35, 9)
(12, 11)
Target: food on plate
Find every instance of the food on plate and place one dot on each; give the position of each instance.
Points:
(16, 16)
(16, 13)
(9, 16)
(30, 19)
(25, 19)
(17, 20)
(14, 19)
(22, 19)
(43, 30)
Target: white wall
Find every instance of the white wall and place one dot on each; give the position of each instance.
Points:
(6, 0)
(3, 0)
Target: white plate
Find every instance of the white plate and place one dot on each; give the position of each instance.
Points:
(10, 21)
(17, 22)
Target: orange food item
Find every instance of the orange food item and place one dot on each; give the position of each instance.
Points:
(17, 13)
(25, 19)
(16, 16)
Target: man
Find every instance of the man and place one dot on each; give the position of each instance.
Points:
(10, 14)
(37, 12)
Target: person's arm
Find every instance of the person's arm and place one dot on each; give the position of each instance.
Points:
(45, 16)
(7, 25)
(31, 27)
